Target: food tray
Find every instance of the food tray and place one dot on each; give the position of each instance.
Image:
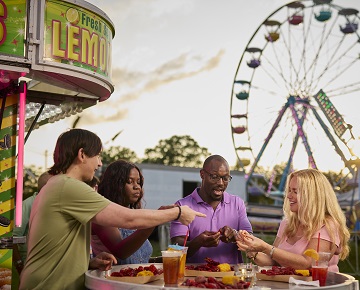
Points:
(135, 280)
(282, 278)
(194, 273)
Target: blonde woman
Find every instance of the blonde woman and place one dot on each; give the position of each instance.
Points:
(311, 211)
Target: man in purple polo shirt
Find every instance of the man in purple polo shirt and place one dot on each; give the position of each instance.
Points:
(213, 236)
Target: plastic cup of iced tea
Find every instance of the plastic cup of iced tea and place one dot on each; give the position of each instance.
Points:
(319, 268)
(171, 264)
(183, 250)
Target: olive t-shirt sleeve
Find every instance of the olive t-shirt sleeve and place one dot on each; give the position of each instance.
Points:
(83, 203)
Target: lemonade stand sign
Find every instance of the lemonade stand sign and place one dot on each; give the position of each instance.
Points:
(77, 37)
(12, 28)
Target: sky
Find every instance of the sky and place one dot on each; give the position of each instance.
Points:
(173, 69)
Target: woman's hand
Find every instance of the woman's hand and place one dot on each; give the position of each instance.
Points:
(250, 243)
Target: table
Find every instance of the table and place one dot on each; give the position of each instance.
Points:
(95, 280)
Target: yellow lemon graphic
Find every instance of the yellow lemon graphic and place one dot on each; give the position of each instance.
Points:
(72, 15)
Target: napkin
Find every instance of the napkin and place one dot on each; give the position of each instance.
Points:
(292, 280)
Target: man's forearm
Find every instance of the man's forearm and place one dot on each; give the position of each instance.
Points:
(117, 216)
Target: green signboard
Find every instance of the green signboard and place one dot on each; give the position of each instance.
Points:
(78, 37)
(12, 27)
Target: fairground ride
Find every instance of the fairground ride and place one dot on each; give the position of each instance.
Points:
(296, 94)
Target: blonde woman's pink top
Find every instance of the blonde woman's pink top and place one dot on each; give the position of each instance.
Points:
(301, 245)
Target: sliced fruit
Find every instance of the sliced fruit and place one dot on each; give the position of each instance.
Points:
(145, 273)
(230, 280)
(304, 273)
(312, 254)
(225, 267)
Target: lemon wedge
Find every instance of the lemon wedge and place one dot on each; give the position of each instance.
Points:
(145, 273)
(305, 273)
(225, 267)
(230, 280)
(312, 254)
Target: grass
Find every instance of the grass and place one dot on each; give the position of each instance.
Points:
(156, 248)
(348, 266)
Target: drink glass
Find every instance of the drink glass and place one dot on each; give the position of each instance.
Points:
(171, 264)
(247, 272)
(319, 268)
(183, 250)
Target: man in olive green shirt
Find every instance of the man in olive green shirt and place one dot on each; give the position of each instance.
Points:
(59, 232)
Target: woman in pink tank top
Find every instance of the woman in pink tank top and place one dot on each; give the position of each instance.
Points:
(313, 219)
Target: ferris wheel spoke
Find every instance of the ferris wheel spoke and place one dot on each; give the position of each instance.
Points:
(290, 75)
(343, 90)
(318, 77)
(265, 89)
(306, 31)
(303, 60)
(297, 77)
(287, 45)
(302, 47)
(320, 46)
(341, 72)
(278, 69)
(279, 73)
(337, 61)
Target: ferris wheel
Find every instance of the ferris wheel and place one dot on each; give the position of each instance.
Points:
(296, 94)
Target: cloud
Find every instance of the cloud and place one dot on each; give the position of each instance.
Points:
(130, 85)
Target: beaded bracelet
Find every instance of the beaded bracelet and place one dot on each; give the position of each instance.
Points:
(179, 215)
(253, 257)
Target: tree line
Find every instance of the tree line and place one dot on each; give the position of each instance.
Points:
(182, 151)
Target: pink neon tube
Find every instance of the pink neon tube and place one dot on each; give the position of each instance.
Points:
(20, 159)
